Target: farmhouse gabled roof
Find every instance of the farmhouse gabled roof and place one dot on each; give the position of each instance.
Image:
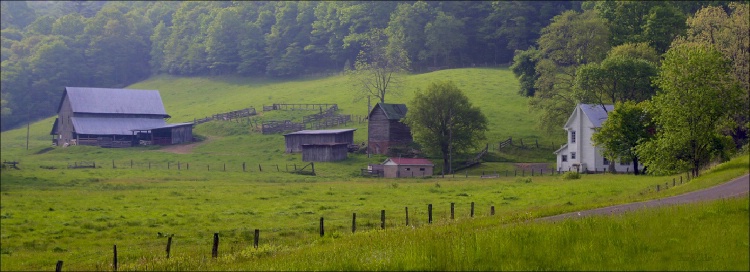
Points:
(408, 161)
(114, 101)
(596, 113)
(392, 111)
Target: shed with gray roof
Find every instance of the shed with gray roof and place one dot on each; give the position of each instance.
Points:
(115, 118)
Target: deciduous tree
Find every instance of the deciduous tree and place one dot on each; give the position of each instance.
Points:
(626, 127)
(378, 69)
(698, 95)
(444, 122)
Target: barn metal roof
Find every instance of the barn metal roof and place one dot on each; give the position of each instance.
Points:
(165, 126)
(596, 113)
(321, 131)
(393, 111)
(114, 125)
(118, 101)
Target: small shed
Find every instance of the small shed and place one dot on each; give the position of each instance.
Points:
(385, 129)
(295, 140)
(407, 167)
(324, 152)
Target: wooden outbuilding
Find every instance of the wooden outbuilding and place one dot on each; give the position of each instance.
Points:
(324, 152)
(115, 118)
(385, 129)
(295, 140)
(407, 167)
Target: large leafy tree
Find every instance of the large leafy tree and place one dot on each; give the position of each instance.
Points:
(698, 95)
(444, 122)
(728, 34)
(625, 128)
(616, 79)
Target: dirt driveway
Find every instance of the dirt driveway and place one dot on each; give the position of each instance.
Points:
(184, 148)
(735, 188)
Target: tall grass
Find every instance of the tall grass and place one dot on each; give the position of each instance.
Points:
(77, 215)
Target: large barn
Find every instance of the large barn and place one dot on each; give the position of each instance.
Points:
(385, 129)
(115, 118)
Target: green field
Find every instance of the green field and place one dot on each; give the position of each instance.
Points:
(49, 212)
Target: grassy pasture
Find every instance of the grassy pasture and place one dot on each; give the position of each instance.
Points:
(186, 98)
(77, 215)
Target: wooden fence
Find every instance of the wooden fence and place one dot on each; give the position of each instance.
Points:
(520, 143)
(371, 219)
(325, 119)
(227, 116)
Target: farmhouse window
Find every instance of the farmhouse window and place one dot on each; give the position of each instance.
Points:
(623, 162)
(564, 158)
(606, 161)
(572, 155)
(573, 137)
(421, 169)
(408, 169)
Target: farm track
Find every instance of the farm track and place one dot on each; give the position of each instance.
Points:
(735, 188)
(185, 148)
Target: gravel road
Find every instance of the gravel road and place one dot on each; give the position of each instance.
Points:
(734, 188)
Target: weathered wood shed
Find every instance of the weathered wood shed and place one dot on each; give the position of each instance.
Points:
(114, 118)
(385, 129)
(407, 167)
(295, 140)
(324, 152)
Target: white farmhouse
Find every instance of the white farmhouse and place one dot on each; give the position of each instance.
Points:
(579, 153)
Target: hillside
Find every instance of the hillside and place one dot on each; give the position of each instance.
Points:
(493, 90)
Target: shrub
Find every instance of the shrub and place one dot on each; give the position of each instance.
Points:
(571, 175)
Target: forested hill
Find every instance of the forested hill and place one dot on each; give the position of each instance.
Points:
(47, 45)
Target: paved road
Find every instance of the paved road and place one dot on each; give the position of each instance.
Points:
(735, 188)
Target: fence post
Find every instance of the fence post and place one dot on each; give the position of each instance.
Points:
(114, 259)
(429, 213)
(208, 167)
(187, 165)
(113, 164)
(277, 168)
(215, 248)
(673, 183)
(58, 266)
(657, 187)
(131, 164)
(472, 209)
(243, 166)
(453, 210)
(322, 231)
(354, 222)
(382, 219)
(467, 173)
(256, 238)
(523, 172)
(492, 210)
(407, 215)
(260, 169)
(178, 165)
(169, 245)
